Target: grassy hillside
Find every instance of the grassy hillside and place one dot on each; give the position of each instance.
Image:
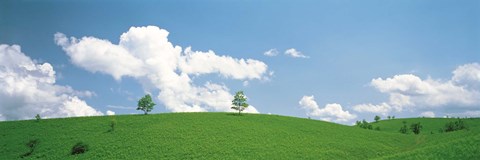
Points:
(226, 136)
(434, 144)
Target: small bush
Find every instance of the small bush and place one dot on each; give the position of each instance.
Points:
(403, 129)
(455, 126)
(416, 127)
(32, 144)
(364, 124)
(377, 128)
(79, 148)
(113, 123)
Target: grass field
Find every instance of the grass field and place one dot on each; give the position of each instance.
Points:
(227, 136)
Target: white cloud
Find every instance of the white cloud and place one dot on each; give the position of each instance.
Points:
(146, 54)
(467, 75)
(429, 92)
(331, 112)
(429, 114)
(110, 113)
(408, 91)
(271, 52)
(382, 108)
(29, 88)
(98, 56)
(196, 62)
(292, 52)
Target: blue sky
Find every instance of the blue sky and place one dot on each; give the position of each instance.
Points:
(348, 45)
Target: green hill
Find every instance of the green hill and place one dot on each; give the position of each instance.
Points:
(227, 136)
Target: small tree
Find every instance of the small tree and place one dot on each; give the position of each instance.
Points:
(239, 102)
(416, 127)
(377, 118)
(37, 117)
(403, 129)
(393, 117)
(145, 104)
(388, 117)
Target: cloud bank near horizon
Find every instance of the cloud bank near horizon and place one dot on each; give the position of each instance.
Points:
(410, 92)
(28, 88)
(331, 112)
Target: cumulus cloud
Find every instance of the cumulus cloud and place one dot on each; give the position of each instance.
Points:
(427, 114)
(271, 52)
(292, 52)
(146, 54)
(331, 112)
(110, 113)
(196, 62)
(408, 91)
(29, 88)
(467, 75)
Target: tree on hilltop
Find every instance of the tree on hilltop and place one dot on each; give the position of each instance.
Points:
(377, 118)
(239, 102)
(146, 104)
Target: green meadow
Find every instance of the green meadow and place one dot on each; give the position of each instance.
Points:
(229, 136)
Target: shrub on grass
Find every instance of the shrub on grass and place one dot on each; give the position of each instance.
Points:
(455, 126)
(79, 148)
(416, 127)
(403, 129)
(32, 144)
(364, 124)
(113, 123)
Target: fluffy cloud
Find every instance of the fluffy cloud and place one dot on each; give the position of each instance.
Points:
(146, 54)
(29, 88)
(110, 113)
(467, 75)
(195, 62)
(427, 114)
(292, 52)
(410, 92)
(271, 52)
(331, 112)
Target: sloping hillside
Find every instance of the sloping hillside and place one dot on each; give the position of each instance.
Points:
(223, 136)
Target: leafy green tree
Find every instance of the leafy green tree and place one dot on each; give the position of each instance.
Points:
(37, 117)
(389, 117)
(239, 102)
(416, 127)
(377, 118)
(403, 129)
(145, 104)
